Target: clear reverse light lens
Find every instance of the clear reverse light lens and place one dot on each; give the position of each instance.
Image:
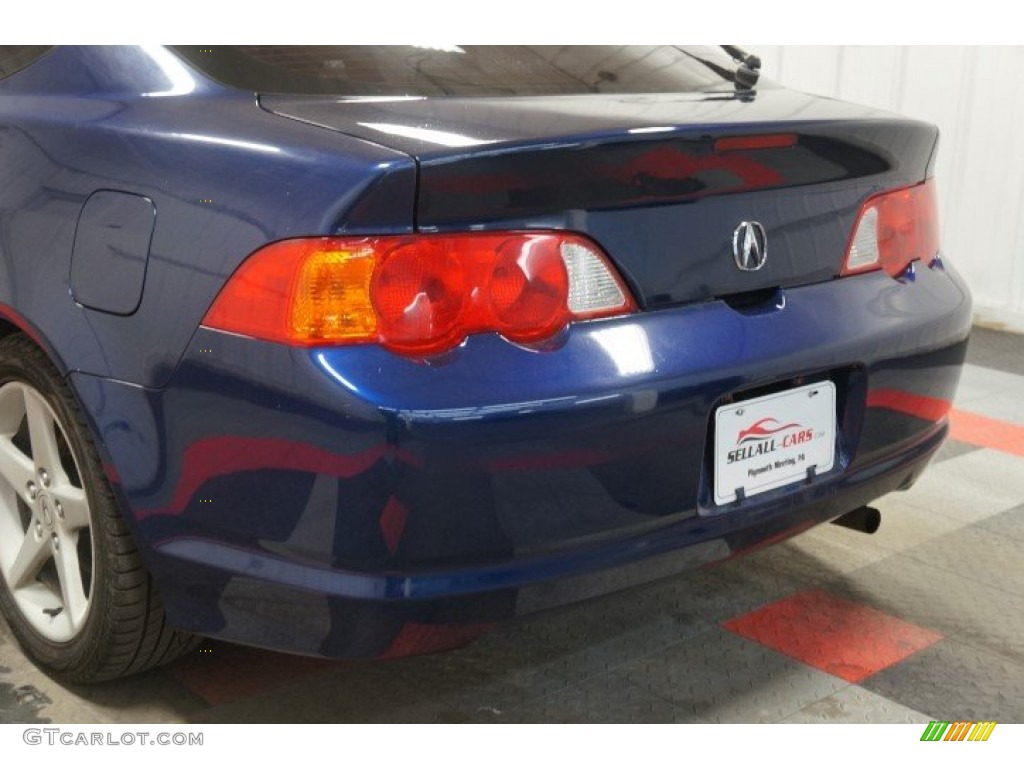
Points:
(592, 287)
(864, 250)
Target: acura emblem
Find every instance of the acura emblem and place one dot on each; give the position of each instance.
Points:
(750, 246)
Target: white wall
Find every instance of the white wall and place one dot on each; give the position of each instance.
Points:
(975, 94)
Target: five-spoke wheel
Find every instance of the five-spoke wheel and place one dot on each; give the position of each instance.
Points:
(72, 583)
(46, 546)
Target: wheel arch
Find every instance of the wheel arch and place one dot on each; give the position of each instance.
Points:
(12, 321)
(116, 624)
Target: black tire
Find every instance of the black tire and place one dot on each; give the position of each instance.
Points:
(122, 629)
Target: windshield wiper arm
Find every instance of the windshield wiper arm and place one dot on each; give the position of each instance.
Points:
(749, 69)
(744, 77)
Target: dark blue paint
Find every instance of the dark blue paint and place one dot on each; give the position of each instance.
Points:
(225, 176)
(111, 251)
(773, 511)
(516, 465)
(640, 175)
(320, 499)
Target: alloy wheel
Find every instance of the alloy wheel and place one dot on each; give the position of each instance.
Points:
(47, 556)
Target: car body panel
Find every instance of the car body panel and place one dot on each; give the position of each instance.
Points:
(348, 501)
(224, 178)
(641, 175)
(358, 474)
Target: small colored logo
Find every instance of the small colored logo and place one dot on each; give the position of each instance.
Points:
(766, 436)
(763, 429)
(958, 731)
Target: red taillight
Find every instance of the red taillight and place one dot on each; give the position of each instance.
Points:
(528, 289)
(418, 294)
(894, 229)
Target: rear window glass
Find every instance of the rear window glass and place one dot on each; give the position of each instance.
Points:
(463, 70)
(17, 57)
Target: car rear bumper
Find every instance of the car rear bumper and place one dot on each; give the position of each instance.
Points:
(347, 502)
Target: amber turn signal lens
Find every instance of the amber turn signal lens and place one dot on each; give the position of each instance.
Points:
(303, 292)
(331, 301)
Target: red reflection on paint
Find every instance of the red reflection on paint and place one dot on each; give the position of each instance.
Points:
(224, 455)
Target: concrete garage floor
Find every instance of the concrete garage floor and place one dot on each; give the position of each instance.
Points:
(921, 621)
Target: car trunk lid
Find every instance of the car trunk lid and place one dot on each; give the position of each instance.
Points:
(662, 182)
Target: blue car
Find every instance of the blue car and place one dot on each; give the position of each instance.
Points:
(355, 351)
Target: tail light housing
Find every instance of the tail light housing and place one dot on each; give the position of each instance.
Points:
(894, 229)
(419, 295)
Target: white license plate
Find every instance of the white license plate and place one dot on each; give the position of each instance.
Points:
(771, 441)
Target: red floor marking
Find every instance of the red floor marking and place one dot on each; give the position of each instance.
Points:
(922, 406)
(220, 673)
(843, 638)
(430, 638)
(980, 430)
